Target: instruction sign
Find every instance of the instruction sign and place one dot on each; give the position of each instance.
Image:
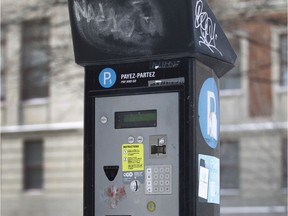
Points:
(132, 157)
(133, 163)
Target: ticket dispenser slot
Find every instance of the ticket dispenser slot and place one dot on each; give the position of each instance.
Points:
(139, 136)
(111, 172)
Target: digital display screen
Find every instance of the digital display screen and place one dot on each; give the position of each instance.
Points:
(136, 119)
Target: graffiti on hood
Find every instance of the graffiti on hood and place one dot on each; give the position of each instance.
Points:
(207, 27)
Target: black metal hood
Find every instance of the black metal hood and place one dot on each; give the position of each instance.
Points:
(113, 31)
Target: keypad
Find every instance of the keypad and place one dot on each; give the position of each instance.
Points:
(158, 179)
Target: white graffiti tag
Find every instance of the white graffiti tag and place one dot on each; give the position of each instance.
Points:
(207, 28)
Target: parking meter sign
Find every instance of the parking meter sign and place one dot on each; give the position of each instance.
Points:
(107, 77)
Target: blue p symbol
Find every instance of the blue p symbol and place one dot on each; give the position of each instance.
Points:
(107, 77)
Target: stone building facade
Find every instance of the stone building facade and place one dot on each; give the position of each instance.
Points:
(254, 109)
(41, 112)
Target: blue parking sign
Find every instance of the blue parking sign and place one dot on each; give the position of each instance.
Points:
(107, 77)
(208, 110)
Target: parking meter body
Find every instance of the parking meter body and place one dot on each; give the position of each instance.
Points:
(151, 116)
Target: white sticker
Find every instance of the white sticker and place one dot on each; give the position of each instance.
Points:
(209, 178)
(203, 182)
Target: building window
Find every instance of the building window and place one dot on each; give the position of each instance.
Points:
(3, 62)
(232, 80)
(283, 60)
(229, 165)
(33, 164)
(35, 59)
(284, 163)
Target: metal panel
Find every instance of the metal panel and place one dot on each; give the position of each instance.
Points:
(141, 164)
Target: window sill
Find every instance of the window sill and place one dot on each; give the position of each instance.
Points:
(230, 192)
(282, 89)
(33, 192)
(35, 102)
(230, 92)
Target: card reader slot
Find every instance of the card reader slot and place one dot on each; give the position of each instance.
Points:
(158, 146)
(158, 149)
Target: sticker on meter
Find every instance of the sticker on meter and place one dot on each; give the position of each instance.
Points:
(132, 157)
(209, 112)
(133, 163)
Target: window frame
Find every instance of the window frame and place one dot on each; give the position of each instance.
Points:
(3, 62)
(236, 165)
(284, 162)
(276, 59)
(241, 36)
(27, 68)
(29, 166)
(281, 61)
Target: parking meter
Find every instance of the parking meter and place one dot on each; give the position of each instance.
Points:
(151, 118)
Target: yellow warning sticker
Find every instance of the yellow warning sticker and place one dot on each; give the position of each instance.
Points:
(132, 157)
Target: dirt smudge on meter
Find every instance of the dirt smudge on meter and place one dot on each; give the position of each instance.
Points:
(113, 195)
(121, 26)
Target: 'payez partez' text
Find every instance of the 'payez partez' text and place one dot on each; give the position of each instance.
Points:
(137, 75)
